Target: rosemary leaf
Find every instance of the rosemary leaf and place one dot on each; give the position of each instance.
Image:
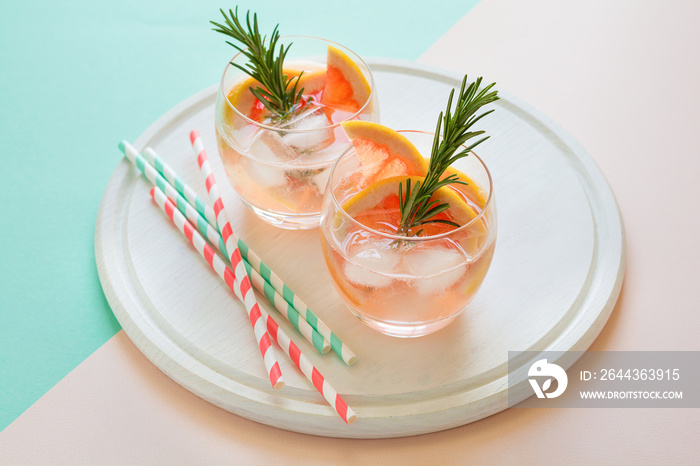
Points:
(279, 92)
(453, 130)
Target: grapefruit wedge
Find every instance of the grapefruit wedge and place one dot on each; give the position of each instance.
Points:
(245, 102)
(341, 85)
(312, 81)
(472, 190)
(346, 87)
(377, 207)
(383, 152)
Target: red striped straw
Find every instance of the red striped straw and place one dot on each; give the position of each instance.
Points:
(200, 244)
(214, 238)
(205, 228)
(250, 257)
(243, 281)
(282, 339)
(310, 372)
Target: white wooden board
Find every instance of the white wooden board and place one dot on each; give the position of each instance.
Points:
(554, 280)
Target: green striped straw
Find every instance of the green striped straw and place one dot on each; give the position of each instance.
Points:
(287, 310)
(210, 233)
(312, 374)
(307, 314)
(340, 348)
(181, 187)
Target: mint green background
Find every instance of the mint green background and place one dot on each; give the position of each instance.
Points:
(76, 77)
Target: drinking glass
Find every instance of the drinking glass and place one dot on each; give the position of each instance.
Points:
(407, 286)
(280, 167)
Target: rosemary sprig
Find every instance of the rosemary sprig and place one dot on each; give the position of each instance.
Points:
(414, 199)
(279, 93)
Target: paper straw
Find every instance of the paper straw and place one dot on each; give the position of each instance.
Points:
(261, 335)
(309, 370)
(286, 309)
(230, 279)
(196, 219)
(234, 254)
(181, 187)
(282, 339)
(340, 348)
(148, 170)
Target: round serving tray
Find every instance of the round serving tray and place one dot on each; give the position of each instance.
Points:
(554, 280)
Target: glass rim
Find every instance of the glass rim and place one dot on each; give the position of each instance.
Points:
(363, 108)
(411, 238)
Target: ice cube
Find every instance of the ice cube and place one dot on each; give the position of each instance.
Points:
(267, 156)
(320, 179)
(311, 131)
(274, 155)
(269, 146)
(265, 175)
(436, 268)
(371, 264)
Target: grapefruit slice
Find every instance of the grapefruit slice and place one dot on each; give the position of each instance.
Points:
(245, 102)
(240, 96)
(377, 207)
(341, 85)
(472, 190)
(383, 152)
(312, 81)
(345, 86)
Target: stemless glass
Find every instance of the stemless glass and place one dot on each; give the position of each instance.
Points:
(280, 169)
(407, 286)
